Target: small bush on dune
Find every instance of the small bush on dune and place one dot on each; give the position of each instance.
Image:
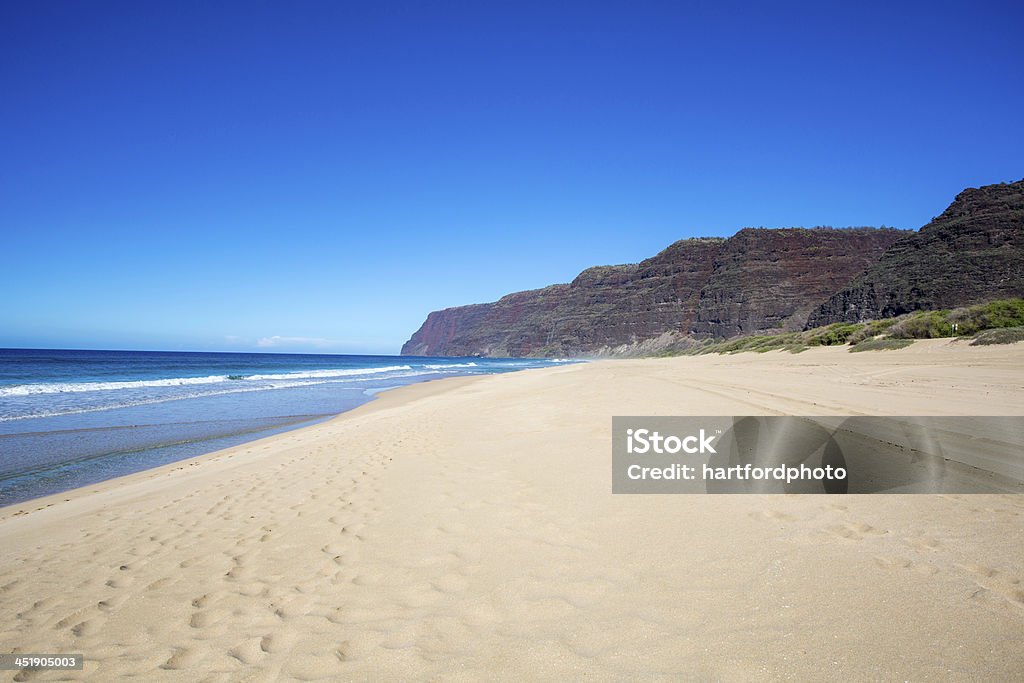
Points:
(1005, 316)
(871, 329)
(993, 315)
(836, 333)
(923, 325)
(1003, 335)
(881, 345)
(967, 321)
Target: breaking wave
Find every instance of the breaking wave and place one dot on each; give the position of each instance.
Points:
(78, 387)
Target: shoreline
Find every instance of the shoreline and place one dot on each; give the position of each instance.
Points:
(70, 495)
(209, 446)
(392, 397)
(50, 454)
(466, 529)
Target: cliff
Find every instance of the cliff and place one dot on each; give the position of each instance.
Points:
(972, 253)
(603, 306)
(757, 280)
(770, 280)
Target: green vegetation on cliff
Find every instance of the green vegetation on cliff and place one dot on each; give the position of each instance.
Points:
(995, 322)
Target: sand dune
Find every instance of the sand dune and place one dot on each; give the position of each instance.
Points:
(464, 529)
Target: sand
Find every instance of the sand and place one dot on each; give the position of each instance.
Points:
(464, 529)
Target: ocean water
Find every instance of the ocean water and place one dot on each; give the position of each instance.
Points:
(73, 418)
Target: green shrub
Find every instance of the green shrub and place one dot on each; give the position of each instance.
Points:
(1002, 335)
(923, 325)
(882, 345)
(871, 329)
(993, 315)
(836, 333)
(894, 333)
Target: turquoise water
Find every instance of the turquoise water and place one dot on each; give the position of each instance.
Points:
(72, 418)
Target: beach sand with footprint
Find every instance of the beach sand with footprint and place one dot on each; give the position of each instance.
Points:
(465, 530)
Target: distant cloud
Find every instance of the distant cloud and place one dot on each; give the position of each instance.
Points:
(276, 340)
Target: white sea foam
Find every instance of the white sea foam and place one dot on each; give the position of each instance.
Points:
(138, 402)
(445, 366)
(234, 387)
(319, 374)
(77, 387)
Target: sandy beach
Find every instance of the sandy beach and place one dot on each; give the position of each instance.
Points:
(464, 529)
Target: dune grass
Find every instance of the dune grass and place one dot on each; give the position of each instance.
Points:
(889, 344)
(1002, 335)
(995, 322)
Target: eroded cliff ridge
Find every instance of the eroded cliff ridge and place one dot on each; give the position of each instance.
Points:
(758, 279)
(972, 253)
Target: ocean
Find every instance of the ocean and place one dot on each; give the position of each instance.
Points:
(73, 418)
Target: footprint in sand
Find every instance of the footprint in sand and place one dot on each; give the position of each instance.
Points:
(181, 659)
(119, 582)
(276, 642)
(76, 617)
(365, 580)
(896, 562)
(87, 628)
(205, 619)
(335, 615)
(924, 543)
(112, 603)
(159, 584)
(772, 514)
(450, 583)
(855, 531)
(993, 581)
(248, 651)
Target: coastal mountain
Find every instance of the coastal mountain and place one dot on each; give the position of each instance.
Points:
(756, 280)
(972, 253)
(604, 305)
(770, 280)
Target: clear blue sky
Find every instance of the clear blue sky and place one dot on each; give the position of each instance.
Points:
(320, 175)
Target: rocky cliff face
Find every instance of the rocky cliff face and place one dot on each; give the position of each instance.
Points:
(603, 306)
(973, 252)
(770, 280)
(757, 280)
